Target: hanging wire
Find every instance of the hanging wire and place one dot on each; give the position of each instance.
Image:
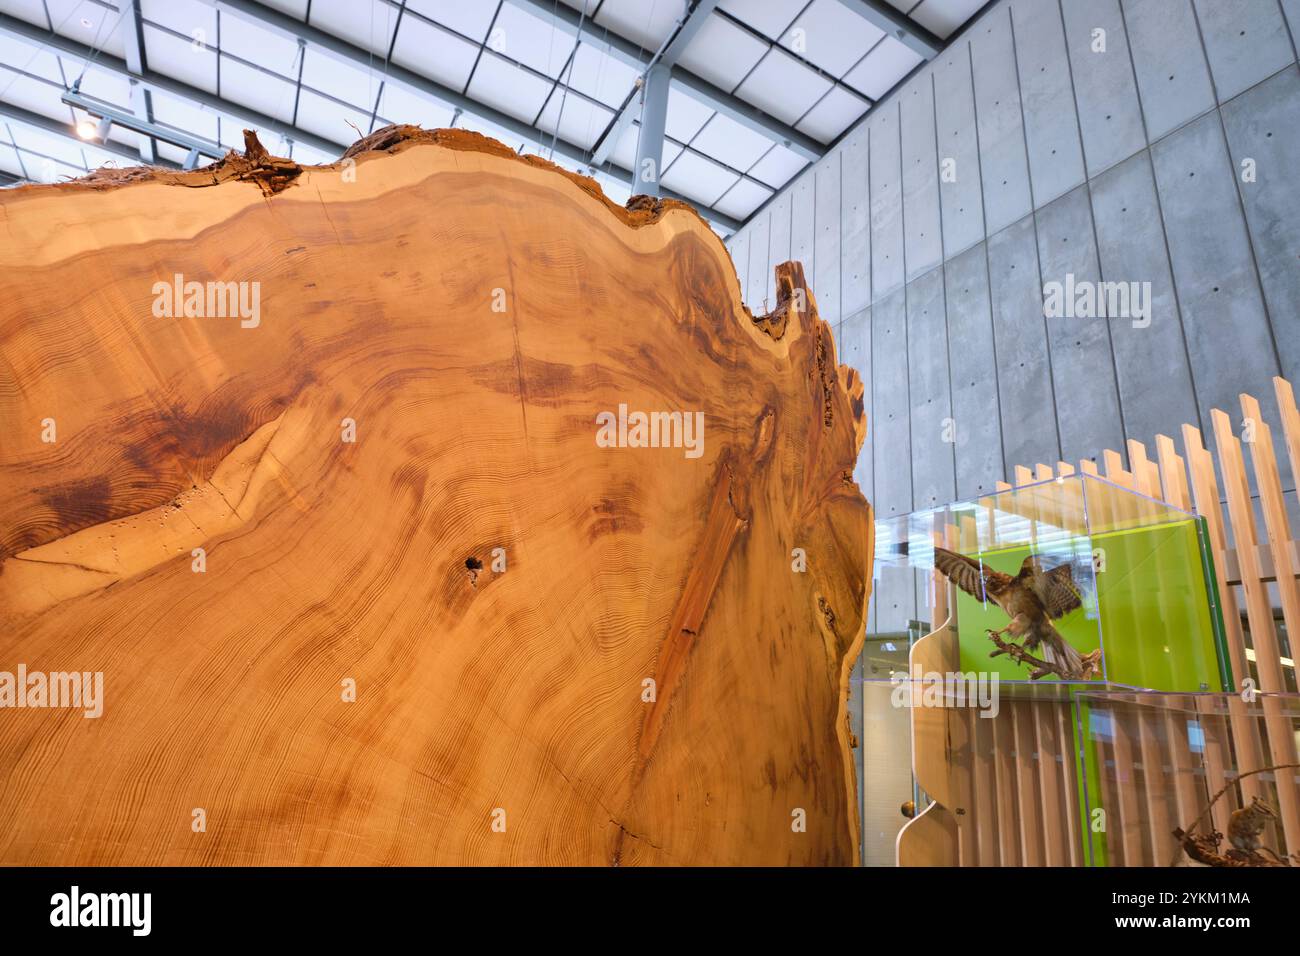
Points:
(555, 133)
(388, 54)
(97, 45)
(588, 154)
(41, 48)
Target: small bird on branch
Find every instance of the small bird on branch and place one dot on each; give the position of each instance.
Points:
(1032, 599)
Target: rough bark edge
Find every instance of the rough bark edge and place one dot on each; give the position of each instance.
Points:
(274, 174)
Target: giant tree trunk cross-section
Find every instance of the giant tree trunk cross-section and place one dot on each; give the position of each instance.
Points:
(308, 463)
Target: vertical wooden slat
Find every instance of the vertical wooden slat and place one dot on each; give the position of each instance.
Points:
(1173, 473)
(1132, 793)
(1146, 473)
(1290, 421)
(1130, 827)
(1051, 794)
(1155, 729)
(1056, 760)
(1245, 733)
(1070, 789)
(1021, 726)
(1114, 467)
(1219, 739)
(1028, 797)
(983, 813)
(961, 734)
(1187, 801)
(1057, 835)
(1007, 788)
(1048, 796)
(1156, 789)
(1173, 486)
(985, 792)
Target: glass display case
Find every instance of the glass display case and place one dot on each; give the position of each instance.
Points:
(1151, 764)
(1123, 581)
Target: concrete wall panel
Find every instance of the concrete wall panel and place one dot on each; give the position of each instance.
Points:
(827, 238)
(1228, 333)
(933, 427)
(803, 224)
(1172, 78)
(1051, 126)
(1155, 381)
(854, 349)
(961, 202)
(974, 374)
(1263, 125)
(1001, 129)
(886, 203)
(922, 234)
(855, 225)
(1227, 329)
(892, 448)
(739, 249)
(1246, 42)
(1110, 115)
(1028, 403)
(1083, 371)
(756, 277)
(778, 242)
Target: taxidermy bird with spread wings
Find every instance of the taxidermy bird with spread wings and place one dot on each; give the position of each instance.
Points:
(1032, 599)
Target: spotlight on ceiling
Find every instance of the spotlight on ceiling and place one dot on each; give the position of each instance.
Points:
(92, 131)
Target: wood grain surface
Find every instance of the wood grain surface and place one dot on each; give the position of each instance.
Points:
(182, 511)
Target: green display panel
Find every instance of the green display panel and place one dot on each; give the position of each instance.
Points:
(1145, 605)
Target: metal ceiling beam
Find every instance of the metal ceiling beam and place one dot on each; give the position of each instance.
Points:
(687, 27)
(157, 83)
(422, 86)
(687, 30)
(897, 25)
(147, 130)
(650, 144)
(18, 116)
(568, 20)
(133, 47)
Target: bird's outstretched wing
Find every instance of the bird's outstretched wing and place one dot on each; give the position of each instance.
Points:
(979, 581)
(1057, 591)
